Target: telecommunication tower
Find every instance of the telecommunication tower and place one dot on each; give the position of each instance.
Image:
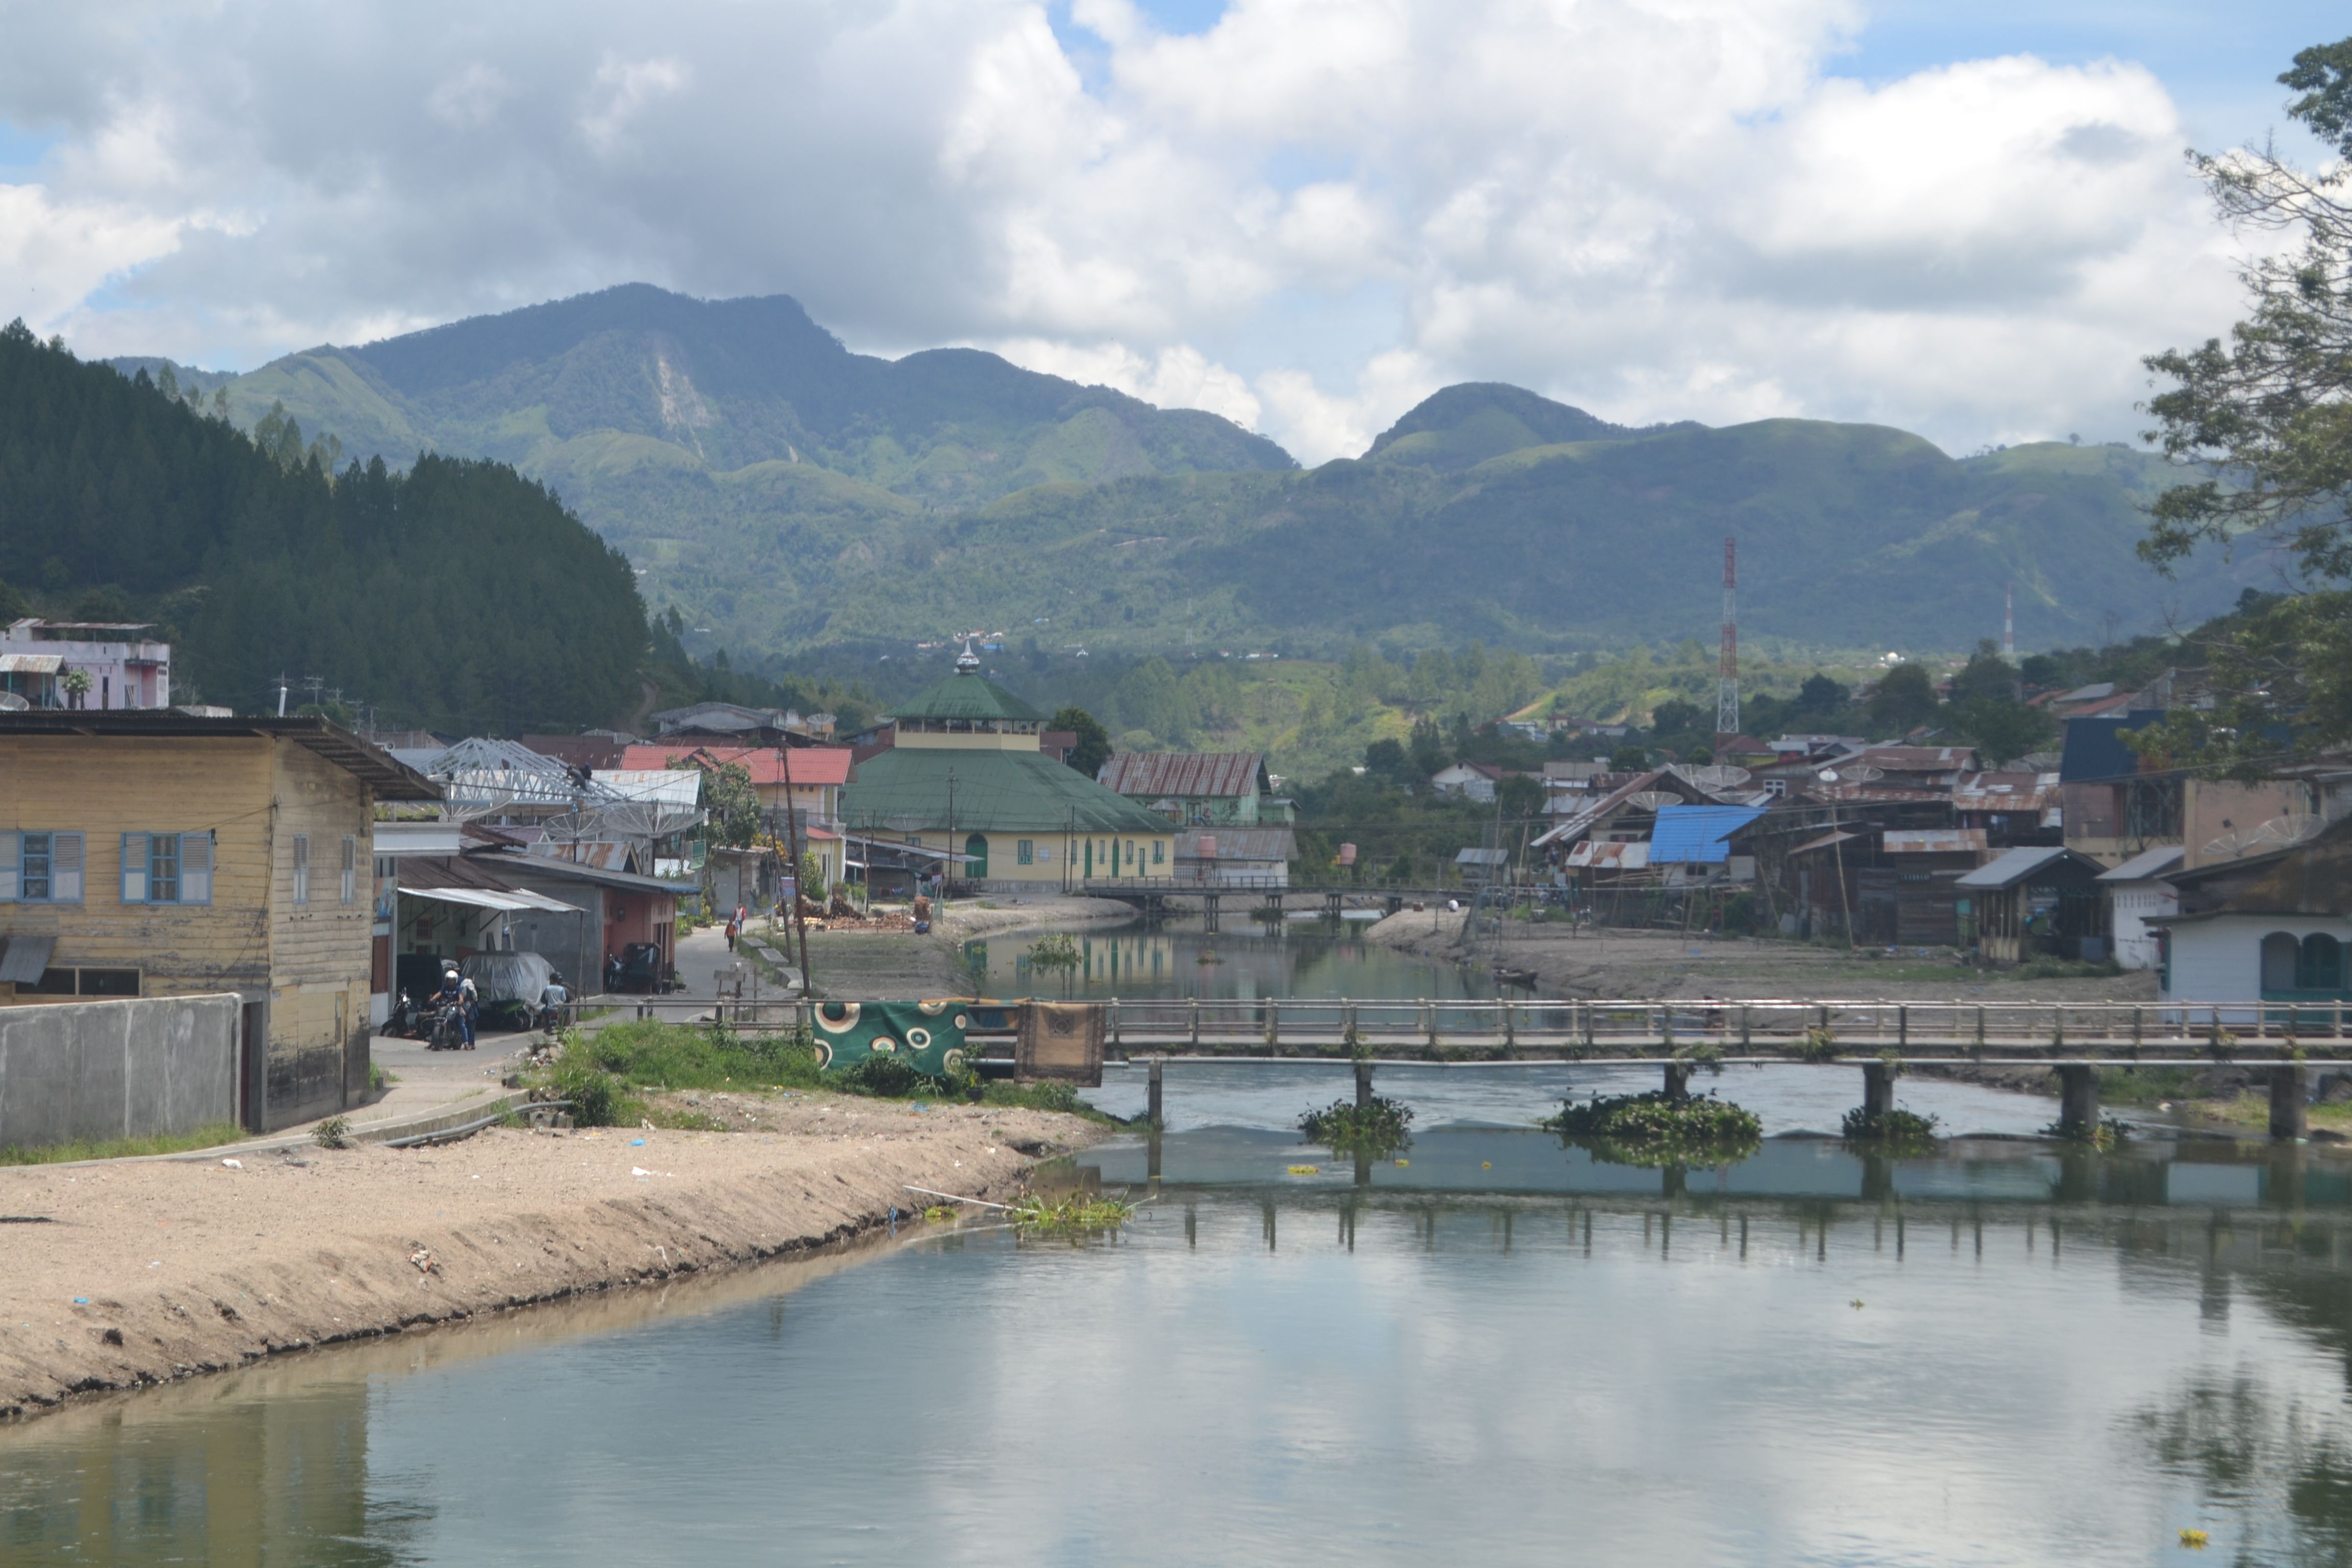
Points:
(1726, 669)
(2009, 621)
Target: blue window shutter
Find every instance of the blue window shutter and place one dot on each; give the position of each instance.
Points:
(134, 868)
(11, 857)
(66, 867)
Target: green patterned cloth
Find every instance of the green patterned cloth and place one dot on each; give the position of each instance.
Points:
(927, 1036)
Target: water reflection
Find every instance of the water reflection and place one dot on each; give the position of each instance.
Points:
(1247, 961)
(1500, 1352)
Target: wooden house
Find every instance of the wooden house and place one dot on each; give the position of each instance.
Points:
(154, 854)
(2042, 901)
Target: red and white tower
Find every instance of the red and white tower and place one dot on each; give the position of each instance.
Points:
(1727, 667)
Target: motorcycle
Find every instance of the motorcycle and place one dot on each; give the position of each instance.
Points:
(404, 1021)
(448, 1028)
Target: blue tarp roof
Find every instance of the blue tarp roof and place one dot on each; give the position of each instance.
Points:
(1698, 834)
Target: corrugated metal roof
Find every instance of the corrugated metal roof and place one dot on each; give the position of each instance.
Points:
(810, 765)
(1916, 759)
(30, 664)
(1182, 773)
(1474, 857)
(2147, 864)
(1824, 841)
(1696, 834)
(908, 789)
(1933, 840)
(2014, 866)
(22, 958)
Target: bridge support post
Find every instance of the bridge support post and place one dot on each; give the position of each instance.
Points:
(1678, 1083)
(1363, 1084)
(2078, 1100)
(1877, 1090)
(1208, 912)
(1152, 1099)
(2290, 1102)
(1331, 905)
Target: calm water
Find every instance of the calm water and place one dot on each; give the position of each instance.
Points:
(1247, 960)
(1500, 1352)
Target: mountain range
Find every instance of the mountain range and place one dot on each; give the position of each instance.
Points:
(786, 492)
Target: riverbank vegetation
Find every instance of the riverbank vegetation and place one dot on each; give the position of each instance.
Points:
(607, 1074)
(1072, 1213)
(1895, 1130)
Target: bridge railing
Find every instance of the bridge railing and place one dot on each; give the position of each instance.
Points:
(1764, 1028)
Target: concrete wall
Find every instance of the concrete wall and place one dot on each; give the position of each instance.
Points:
(116, 1069)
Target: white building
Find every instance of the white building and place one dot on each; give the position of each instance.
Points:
(2266, 929)
(83, 664)
(2137, 893)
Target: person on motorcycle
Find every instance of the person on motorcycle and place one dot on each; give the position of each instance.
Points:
(552, 996)
(458, 991)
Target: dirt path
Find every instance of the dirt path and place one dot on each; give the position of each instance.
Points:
(142, 1272)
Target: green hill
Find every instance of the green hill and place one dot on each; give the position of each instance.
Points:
(457, 594)
(788, 493)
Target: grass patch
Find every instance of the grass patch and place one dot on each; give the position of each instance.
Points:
(1059, 950)
(1377, 1128)
(209, 1136)
(334, 1132)
(1891, 1130)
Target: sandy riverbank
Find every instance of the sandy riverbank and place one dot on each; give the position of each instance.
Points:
(136, 1273)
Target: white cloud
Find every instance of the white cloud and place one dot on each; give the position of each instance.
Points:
(1305, 216)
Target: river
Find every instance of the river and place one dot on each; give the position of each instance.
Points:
(1491, 1348)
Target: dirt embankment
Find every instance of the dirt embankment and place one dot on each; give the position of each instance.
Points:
(142, 1272)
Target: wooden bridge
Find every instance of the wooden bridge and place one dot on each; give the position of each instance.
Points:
(1158, 895)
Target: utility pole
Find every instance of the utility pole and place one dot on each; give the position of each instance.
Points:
(948, 865)
(793, 837)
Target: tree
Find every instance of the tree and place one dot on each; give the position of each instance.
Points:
(2263, 421)
(1820, 697)
(1905, 699)
(1629, 758)
(1520, 796)
(1093, 749)
(727, 796)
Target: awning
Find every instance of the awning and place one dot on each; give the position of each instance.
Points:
(509, 899)
(23, 958)
(1824, 841)
(31, 663)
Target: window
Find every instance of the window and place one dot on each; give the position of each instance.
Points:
(1024, 852)
(2280, 954)
(1159, 852)
(302, 868)
(41, 868)
(2322, 964)
(350, 887)
(167, 867)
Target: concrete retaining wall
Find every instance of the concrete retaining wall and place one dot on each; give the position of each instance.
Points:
(80, 1071)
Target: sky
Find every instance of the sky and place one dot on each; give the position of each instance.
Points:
(1970, 220)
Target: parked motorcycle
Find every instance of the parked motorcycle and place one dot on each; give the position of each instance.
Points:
(404, 1021)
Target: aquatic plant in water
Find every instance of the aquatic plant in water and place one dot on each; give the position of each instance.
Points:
(1894, 1129)
(1072, 1213)
(1379, 1127)
(1059, 950)
(1659, 1119)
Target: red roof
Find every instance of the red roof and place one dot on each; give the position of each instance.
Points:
(810, 765)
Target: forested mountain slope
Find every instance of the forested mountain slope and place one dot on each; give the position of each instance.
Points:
(457, 595)
(786, 492)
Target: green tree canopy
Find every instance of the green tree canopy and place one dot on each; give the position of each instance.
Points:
(2265, 423)
(1903, 699)
(1093, 749)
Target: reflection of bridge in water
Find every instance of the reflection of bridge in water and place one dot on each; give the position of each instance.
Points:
(1269, 895)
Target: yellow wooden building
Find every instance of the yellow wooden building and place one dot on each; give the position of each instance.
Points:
(151, 854)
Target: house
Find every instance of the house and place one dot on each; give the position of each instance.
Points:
(443, 908)
(2272, 927)
(606, 912)
(1476, 866)
(2035, 901)
(1235, 857)
(1192, 789)
(1471, 781)
(731, 723)
(2138, 895)
(103, 664)
(2112, 809)
(1695, 842)
(963, 777)
(154, 854)
(809, 779)
(589, 749)
(2009, 807)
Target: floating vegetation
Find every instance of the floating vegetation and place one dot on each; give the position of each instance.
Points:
(1059, 950)
(2101, 1138)
(1305, 1170)
(1379, 1127)
(940, 1214)
(1893, 1128)
(1072, 1213)
(1658, 1118)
